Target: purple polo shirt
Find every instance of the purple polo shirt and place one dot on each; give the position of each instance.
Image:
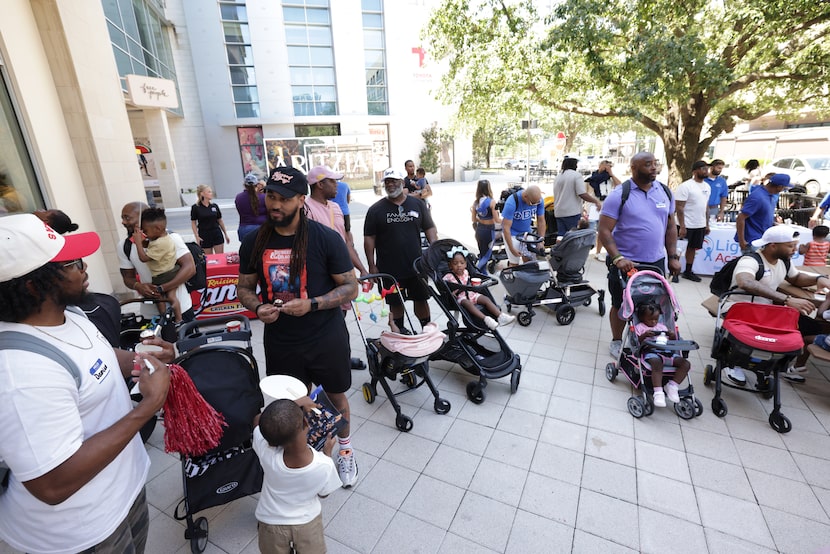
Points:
(640, 232)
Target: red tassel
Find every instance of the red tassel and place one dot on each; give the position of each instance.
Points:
(191, 425)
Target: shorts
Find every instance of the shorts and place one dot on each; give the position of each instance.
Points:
(305, 537)
(131, 534)
(668, 361)
(468, 295)
(695, 238)
(212, 238)
(327, 365)
(165, 277)
(615, 286)
(521, 248)
(412, 288)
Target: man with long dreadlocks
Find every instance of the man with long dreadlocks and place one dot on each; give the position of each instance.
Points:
(304, 273)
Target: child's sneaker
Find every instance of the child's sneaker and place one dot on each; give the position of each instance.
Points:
(491, 323)
(346, 467)
(506, 319)
(659, 399)
(671, 391)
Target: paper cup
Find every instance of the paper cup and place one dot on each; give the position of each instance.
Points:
(233, 326)
(276, 387)
(475, 281)
(148, 348)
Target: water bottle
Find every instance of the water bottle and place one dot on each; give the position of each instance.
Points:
(662, 339)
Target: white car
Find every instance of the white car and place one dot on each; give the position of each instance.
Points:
(811, 172)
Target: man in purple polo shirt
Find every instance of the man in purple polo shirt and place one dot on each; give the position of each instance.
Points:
(640, 231)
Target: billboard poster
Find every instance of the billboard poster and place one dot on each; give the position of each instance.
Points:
(353, 156)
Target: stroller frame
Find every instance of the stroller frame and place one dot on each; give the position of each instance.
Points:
(385, 365)
(765, 365)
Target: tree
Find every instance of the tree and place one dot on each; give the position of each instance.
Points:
(431, 152)
(687, 71)
(493, 134)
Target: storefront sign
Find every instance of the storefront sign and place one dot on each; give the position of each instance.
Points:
(151, 92)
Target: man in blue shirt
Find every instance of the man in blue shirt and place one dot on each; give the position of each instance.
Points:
(718, 190)
(758, 212)
(519, 210)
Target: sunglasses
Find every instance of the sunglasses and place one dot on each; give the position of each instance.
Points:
(79, 263)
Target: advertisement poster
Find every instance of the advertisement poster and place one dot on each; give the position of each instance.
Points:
(354, 156)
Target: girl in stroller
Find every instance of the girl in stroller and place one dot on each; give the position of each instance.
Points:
(650, 326)
(468, 299)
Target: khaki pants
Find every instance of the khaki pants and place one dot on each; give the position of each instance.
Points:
(131, 536)
(292, 539)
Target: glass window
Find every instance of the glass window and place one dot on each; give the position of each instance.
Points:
(295, 35)
(320, 36)
(123, 62)
(19, 189)
(247, 110)
(798, 164)
(301, 75)
(241, 75)
(310, 56)
(321, 56)
(323, 76)
(372, 21)
(332, 130)
(293, 15)
(375, 77)
(378, 108)
(236, 33)
(240, 55)
(245, 94)
(371, 5)
(374, 57)
(298, 55)
(233, 13)
(376, 94)
(373, 39)
(317, 16)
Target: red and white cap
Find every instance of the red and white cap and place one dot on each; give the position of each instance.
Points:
(27, 243)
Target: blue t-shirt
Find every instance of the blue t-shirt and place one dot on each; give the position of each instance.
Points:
(718, 189)
(640, 229)
(825, 204)
(759, 208)
(342, 198)
(521, 214)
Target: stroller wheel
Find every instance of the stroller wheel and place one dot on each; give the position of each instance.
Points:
(441, 406)
(780, 422)
(198, 536)
(601, 303)
(648, 408)
(524, 318)
(719, 407)
(515, 377)
(698, 407)
(685, 408)
(368, 393)
(409, 379)
(508, 307)
(403, 423)
(565, 314)
(491, 266)
(475, 392)
(636, 407)
(611, 371)
(586, 302)
(708, 375)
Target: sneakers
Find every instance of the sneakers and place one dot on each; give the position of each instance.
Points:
(615, 347)
(506, 319)
(794, 374)
(675, 278)
(659, 399)
(671, 391)
(691, 276)
(736, 375)
(491, 323)
(346, 467)
(357, 363)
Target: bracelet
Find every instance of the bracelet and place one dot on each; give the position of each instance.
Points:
(616, 258)
(785, 300)
(256, 310)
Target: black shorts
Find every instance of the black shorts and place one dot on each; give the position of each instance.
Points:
(212, 238)
(695, 237)
(327, 365)
(413, 288)
(615, 285)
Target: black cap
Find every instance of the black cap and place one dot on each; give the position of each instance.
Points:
(698, 164)
(287, 181)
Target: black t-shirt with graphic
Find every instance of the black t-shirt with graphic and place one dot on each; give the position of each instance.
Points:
(327, 255)
(397, 232)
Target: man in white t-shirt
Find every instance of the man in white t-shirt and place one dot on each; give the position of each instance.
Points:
(776, 246)
(135, 273)
(569, 192)
(69, 432)
(691, 200)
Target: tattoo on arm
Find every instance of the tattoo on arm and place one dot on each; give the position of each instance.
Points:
(345, 291)
(246, 290)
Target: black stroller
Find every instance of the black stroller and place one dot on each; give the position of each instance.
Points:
(650, 285)
(556, 284)
(385, 365)
(761, 338)
(473, 346)
(218, 357)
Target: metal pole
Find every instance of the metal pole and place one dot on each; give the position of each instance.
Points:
(527, 160)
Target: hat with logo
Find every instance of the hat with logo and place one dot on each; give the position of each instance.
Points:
(780, 180)
(698, 164)
(27, 243)
(287, 181)
(392, 173)
(321, 172)
(775, 235)
(251, 179)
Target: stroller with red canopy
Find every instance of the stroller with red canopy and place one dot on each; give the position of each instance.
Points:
(762, 339)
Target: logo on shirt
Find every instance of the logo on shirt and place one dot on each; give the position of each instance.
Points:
(99, 370)
(228, 487)
(402, 216)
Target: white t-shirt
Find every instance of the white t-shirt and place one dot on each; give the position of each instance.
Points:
(696, 197)
(566, 190)
(45, 419)
(143, 271)
(774, 275)
(290, 495)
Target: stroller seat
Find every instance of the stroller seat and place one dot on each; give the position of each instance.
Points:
(762, 328)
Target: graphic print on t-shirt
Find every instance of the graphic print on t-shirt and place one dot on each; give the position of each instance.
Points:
(401, 216)
(277, 263)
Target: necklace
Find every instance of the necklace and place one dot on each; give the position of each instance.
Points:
(65, 342)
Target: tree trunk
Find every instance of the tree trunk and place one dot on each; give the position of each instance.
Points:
(681, 140)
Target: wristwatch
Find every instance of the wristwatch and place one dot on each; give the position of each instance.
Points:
(314, 305)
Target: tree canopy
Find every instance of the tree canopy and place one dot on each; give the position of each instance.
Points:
(687, 71)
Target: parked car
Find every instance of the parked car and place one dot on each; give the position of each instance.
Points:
(510, 164)
(520, 164)
(811, 172)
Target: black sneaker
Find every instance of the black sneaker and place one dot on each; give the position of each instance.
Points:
(357, 363)
(691, 276)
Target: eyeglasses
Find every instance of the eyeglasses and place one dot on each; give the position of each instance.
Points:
(79, 263)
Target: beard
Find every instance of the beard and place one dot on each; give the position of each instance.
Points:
(395, 193)
(285, 221)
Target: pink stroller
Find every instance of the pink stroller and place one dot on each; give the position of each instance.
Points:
(648, 285)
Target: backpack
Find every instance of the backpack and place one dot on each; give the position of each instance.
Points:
(199, 279)
(626, 192)
(722, 280)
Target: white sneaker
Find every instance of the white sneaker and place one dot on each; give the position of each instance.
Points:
(671, 391)
(794, 374)
(615, 348)
(491, 323)
(506, 319)
(737, 375)
(346, 467)
(659, 399)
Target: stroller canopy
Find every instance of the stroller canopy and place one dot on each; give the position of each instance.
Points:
(764, 326)
(436, 262)
(645, 286)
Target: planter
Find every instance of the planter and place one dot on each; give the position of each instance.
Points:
(470, 174)
(189, 198)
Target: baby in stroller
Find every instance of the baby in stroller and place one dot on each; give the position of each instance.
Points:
(468, 299)
(650, 327)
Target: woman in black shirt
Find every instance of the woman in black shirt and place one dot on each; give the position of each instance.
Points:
(206, 222)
